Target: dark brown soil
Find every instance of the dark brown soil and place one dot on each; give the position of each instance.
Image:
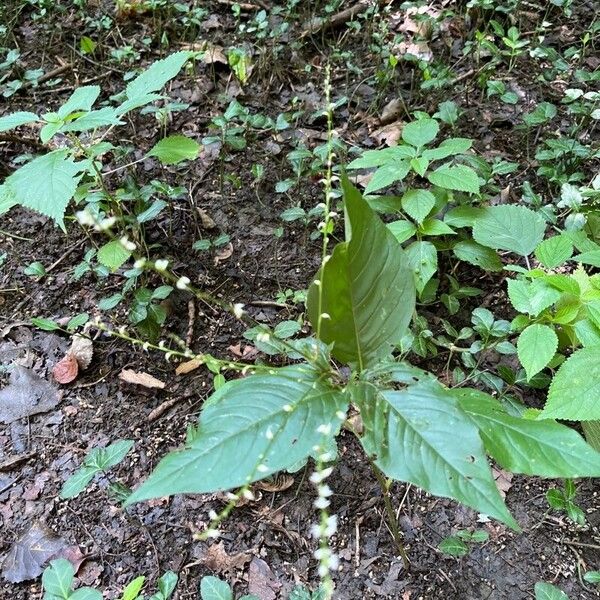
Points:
(265, 542)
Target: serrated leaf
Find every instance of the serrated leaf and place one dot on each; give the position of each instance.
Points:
(421, 132)
(133, 588)
(212, 588)
(417, 204)
(113, 255)
(554, 251)
(547, 591)
(459, 177)
(175, 149)
(45, 324)
(58, 578)
(536, 346)
(591, 257)
(46, 184)
(7, 199)
(81, 99)
(575, 389)
(17, 119)
(447, 148)
(85, 593)
(387, 174)
(509, 227)
(412, 436)
(156, 75)
(433, 226)
(422, 258)
(543, 448)
(453, 546)
(475, 254)
(378, 158)
(366, 288)
(531, 297)
(402, 230)
(278, 417)
(103, 117)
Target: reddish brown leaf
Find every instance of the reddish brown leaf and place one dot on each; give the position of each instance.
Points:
(66, 370)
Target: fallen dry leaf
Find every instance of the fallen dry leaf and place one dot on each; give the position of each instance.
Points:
(217, 560)
(26, 395)
(223, 254)
(277, 483)
(137, 378)
(66, 370)
(82, 348)
(261, 581)
(189, 366)
(388, 134)
(31, 552)
(206, 219)
(503, 480)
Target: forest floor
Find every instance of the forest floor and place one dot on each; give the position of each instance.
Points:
(265, 547)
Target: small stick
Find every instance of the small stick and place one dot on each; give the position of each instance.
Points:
(322, 24)
(162, 408)
(191, 322)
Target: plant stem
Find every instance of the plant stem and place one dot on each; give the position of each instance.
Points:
(391, 515)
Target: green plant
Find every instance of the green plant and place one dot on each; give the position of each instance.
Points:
(97, 461)
(458, 544)
(57, 582)
(359, 305)
(564, 500)
(213, 588)
(547, 591)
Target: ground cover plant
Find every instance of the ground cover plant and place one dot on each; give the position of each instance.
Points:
(299, 301)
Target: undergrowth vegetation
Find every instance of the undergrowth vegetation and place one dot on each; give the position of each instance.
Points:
(396, 340)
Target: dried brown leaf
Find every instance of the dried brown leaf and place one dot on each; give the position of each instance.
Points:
(140, 378)
(188, 366)
(206, 219)
(66, 370)
(217, 559)
(503, 480)
(277, 483)
(223, 254)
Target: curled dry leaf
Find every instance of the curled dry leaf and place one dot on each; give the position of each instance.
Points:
(206, 219)
(66, 369)
(188, 366)
(503, 480)
(277, 483)
(143, 379)
(82, 349)
(223, 254)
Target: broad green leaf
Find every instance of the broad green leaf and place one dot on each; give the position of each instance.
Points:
(45, 324)
(543, 448)
(419, 165)
(475, 254)
(458, 177)
(547, 591)
(462, 216)
(417, 204)
(212, 588)
(85, 593)
(387, 174)
(7, 199)
(412, 436)
(402, 230)
(152, 211)
(509, 227)
(77, 482)
(531, 297)
(554, 251)
(422, 259)
(98, 460)
(46, 184)
(175, 149)
(366, 289)
(133, 588)
(156, 75)
(453, 546)
(564, 283)
(378, 158)
(81, 99)
(589, 258)
(591, 430)
(587, 333)
(575, 390)
(421, 132)
(166, 585)
(103, 117)
(113, 255)
(536, 346)
(249, 429)
(57, 579)
(447, 148)
(16, 120)
(434, 226)
(137, 102)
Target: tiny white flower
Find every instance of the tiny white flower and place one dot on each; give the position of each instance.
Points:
(139, 263)
(248, 494)
(325, 491)
(340, 415)
(321, 503)
(324, 428)
(317, 282)
(325, 316)
(238, 310)
(212, 533)
(269, 434)
(263, 337)
(262, 468)
(84, 217)
(183, 283)
(127, 243)
(168, 356)
(161, 264)
(212, 515)
(287, 408)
